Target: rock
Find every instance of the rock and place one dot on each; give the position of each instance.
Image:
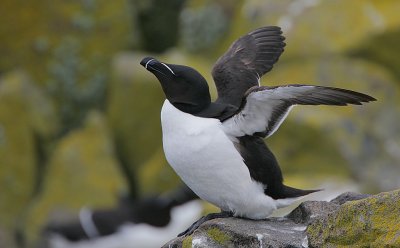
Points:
(348, 196)
(310, 210)
(235, 232)
(370, 222)
(359, 220)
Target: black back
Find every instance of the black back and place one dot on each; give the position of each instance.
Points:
(264, 168)
(262, 164)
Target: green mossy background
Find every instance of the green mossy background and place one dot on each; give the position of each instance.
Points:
(79, 117)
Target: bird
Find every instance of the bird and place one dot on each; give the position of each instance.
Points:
(217, 147)
(142, 222)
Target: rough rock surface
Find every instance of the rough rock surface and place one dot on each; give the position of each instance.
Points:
(312, 224)
(370, 222)
(308, 211)
(234, 232)
(348, 196)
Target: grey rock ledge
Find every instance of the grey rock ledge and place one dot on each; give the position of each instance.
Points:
(288, 231)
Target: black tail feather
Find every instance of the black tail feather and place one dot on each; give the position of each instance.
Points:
(290, 192)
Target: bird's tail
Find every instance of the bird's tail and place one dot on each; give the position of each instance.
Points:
(292, 194)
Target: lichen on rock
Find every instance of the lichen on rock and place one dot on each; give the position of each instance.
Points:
(218, 236)
(370, 222)
(351, 219)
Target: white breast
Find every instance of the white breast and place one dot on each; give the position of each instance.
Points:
(207, 161)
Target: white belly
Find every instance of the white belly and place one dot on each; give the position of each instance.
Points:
(207, 161)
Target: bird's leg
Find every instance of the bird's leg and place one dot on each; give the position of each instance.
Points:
(194, 226)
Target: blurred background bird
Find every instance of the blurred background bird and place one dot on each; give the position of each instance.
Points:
(79, 122)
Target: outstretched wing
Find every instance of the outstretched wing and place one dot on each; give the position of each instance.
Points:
(245, 62)
(264, 108)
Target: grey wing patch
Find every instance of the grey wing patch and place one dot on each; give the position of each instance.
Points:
(264, 108)
(278, 115)
(245, 62)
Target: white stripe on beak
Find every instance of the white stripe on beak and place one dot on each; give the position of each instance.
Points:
(145, 66)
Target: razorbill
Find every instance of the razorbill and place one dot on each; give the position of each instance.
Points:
(217, 148)
(130, 223)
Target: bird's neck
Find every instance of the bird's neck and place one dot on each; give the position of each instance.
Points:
(190, 108)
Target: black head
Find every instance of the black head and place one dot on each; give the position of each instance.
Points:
(183, 86)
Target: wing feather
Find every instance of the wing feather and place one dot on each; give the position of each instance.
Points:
(245, 62)
(265, 108)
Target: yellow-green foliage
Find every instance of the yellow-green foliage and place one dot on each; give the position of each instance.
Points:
(371, 222)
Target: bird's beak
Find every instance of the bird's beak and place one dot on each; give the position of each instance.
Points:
(148, 62)
(156, 67)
